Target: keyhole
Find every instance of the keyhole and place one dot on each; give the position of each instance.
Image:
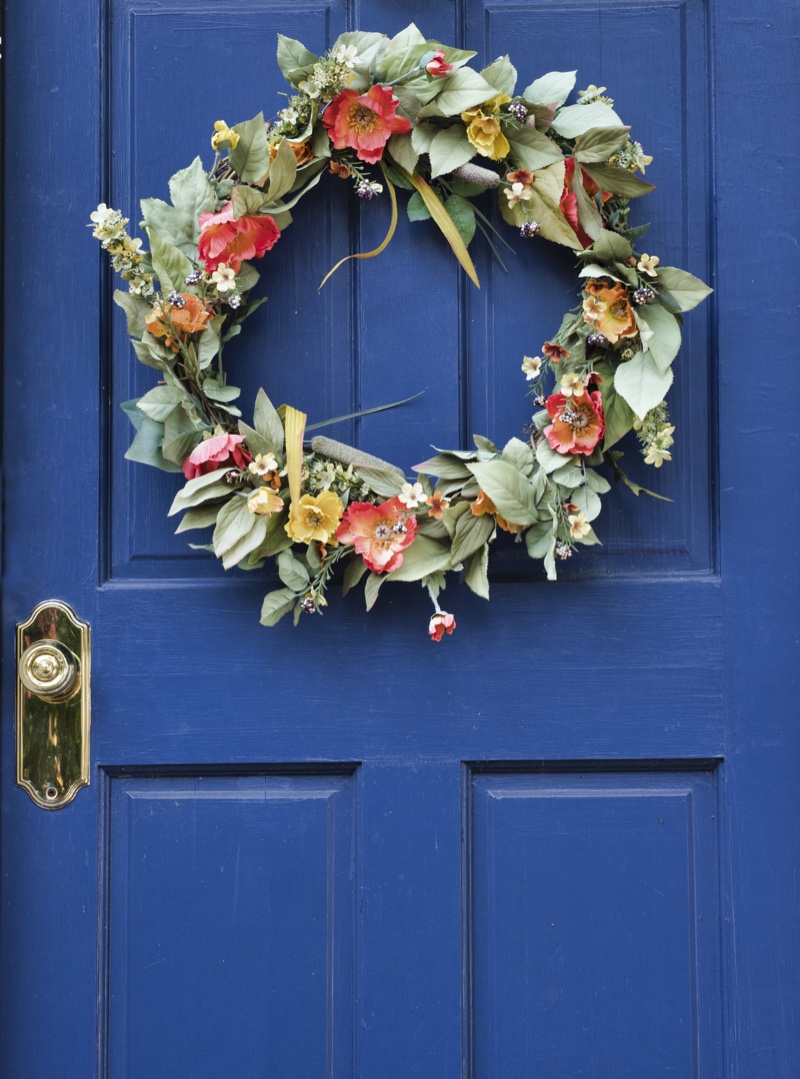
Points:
(50, 793)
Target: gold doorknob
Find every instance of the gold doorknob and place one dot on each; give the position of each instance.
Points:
(49, 670)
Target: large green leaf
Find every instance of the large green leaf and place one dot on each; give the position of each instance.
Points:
(680, 289)
(608, 247)
(548, 458)
(663, 334)
(293, 56)
(471, 533)
(449, 149)
(276, 605)
(446, 466)
(292, 572)
(423, 557)
(620, 181)
(248, 543)
(146, 448)
(541, 539)
(510, 491)
(233, 522)
(268, 422)
(599, 143)
(502, 75)
(530, 148)
(422, 135)
(192, 193)
(201, 489)
(135, 308)
(250, 156)
(171, 266)
(282, 171)
(401, 149)
(200, 517)
(641, 384)
(159, 402)
(543, 206)
(476, 572)
(181, 435)
(616, 411)
(462, 90)
(463, 216)
(552, 88)
(576, 120)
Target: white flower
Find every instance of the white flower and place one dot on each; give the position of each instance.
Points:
(100, 214)
(289, 116)
(224, 277)
(517, 193)
(346, 54)
(532, 366)
(572, 385)
(309, 88)
(412, 496)
(578, 525)
(263, 464)
(656, 455)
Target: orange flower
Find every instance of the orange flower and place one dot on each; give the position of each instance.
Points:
(234, 241)
(191, 318)
(364, 122)
(521, 176)
(338, 168)
(301, 150)
(578, 424)
(438, 504)
(617, 319)
(483, 504)
(555, 353)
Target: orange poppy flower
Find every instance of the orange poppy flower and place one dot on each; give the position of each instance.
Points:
(364, 122)
(617, 319)
(191, 318)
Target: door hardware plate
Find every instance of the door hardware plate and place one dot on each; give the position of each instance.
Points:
(53, 704)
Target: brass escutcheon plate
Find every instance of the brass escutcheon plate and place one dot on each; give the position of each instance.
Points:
(53, 704)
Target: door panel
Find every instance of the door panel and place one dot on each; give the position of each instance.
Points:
(561, 843)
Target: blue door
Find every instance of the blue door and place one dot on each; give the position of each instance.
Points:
(561, 844)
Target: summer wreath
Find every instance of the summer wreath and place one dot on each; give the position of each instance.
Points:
(386, 114)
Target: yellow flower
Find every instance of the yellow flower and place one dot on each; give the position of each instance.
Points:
(264, 502)
(647, 264)
(656, 456)
(578, 525)
(665, 435)
(485, 134)
(224, 137)
(572, 385)
(494, 103)
(315, 518)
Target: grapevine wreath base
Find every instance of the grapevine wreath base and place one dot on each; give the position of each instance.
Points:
(384, 114)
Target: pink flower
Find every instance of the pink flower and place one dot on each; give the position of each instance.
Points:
(441, 623)
(379, 534)
(213, 453)
(437, 65)
(233, 242)
(364, 122)
(578, 424)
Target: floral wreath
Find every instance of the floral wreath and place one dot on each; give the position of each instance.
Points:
(413, 108)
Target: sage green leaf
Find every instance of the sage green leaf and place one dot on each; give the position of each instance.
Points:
(543, 206)
(170, 265)
(200, 517)
(181, 435)
(446, 466)
(402, 54)
(587, 500)
(353, 572)
(131, 410)
(547, 457)
(617, 413)
(268, 422)
(192, 194)
(660, 333)
(207, 347)
(450, 149)
(502, 75)
(471, 534)
(385, 482)
(429, 526)
(422, 135)
(452, 515)
(135, 308)
(541, 538)
(485, 444)
(463, 217)
(461, 90)
(282, 171)
(146, 448)
(609, 247)
(416, 209)
(276, 605)
(620, 181)
(401, 149)
(233, 521)
(641, 384)
(595, 269)
(531, 149)
(597, 482)
(217, 392)
(680, 289)
(256, 443)
(576, 120)
(423, 557)
(247, 276)
(569, 475)
(589, 217)
(552, 88)
(246, 545)
(372, 587)
(476, 572)
(247, 200)
(292, 572)
(520, 455)
(250, 156)
(160, 401)
(201, 489)
(510, 491)
(599, 143)
(293, 55)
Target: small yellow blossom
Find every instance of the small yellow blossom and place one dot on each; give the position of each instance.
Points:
(315, 518)
(578, 525)
(656, 455)
(532, 366)
(572, 385)
(263, 464)
(647, 264)
(224, 137)
(593, 309)
(486, 135)
(494, 104)
(264, 502)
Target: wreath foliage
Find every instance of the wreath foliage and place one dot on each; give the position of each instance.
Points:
(386, 114)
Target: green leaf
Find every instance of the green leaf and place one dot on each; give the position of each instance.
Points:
(543, 206)
(276, 605)
(416, 209)
(617, 413)
(292, 572)
(371, 589)
(401, 149)
(159, 402)
(446, 224)
(620, 477)
(247, 277)
(250, 157)
(620, 181)
(217, 392)
(450, 149)
(422, 135)
(244, 547)
(461, 90)
(471, 534)
(207, 347)
(597, 482)
(446, 466)
(354, 571)
(452, 515)
(201, 517)
(502, 75)
(520, 455)
(268, 422)
(660, 333)
(679, 288)
(476, 572)
(247, 200)
(485, 444)
(292, 55)
(547, 457)
(640, 383)
(531, 149)
(587, 500)
(146, 447)
(282, 171)
(555, 87)
(541, 539)
(170, 265)
(181, 435)
(510, 491)
(423, 557)
(192, 193)
(201, 489)
(569, 475)
(599, 143)
(135, 308)
(233, 521)
(463, 217)
(576, 120)
(385, 482)
(595, 269)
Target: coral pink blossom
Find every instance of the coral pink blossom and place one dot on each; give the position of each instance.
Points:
(438, 65)
(569, 202)
(379, 534)
(364, 122)
(441, 623)
(213, 453)
(578, 424)
(233, 242)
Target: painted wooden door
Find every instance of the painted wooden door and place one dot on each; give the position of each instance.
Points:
(561, 845)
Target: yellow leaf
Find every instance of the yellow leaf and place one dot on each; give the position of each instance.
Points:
(294, 425)
(444, 221)
(381, 247)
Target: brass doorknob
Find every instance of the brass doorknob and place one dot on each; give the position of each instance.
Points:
(49, 670)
